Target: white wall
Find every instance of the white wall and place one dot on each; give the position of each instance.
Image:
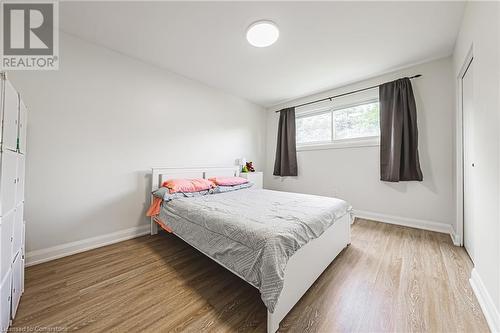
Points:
(98, 124)
(353, 173)
(480, 30)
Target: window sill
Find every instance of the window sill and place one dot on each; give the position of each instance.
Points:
(341, 145)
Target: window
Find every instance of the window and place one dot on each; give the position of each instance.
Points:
(348, 125)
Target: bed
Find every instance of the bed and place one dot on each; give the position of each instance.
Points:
(279, 242)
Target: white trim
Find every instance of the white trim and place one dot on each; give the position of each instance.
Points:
(63, 250)
(455, 237)
(409, 222)
(459, 180)
(490, 312)
(338, 144)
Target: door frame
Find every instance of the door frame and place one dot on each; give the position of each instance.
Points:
(459, 137)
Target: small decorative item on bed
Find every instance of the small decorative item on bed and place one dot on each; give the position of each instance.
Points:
(265, 237)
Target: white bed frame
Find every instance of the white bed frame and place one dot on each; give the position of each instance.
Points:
(303, 268)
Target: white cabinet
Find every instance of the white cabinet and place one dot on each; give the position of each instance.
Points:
(255, 177)
(17, 268)
(10, 117)
(8, 181)
(17, 230)
(6, 231)
(23, 261)
(13, 115)
(5, 301)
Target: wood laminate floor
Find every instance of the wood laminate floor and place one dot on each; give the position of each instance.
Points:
(390, 278)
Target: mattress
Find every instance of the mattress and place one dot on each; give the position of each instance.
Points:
(253, 232)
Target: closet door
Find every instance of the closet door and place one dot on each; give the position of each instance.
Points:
(5, 302)
(6, 230)
(11, 112)
(8, 182)
(471, 189)
(23, 118)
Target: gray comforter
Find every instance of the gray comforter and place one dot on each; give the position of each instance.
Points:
(253, 232)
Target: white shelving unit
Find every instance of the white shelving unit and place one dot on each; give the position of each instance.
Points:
(13, 115)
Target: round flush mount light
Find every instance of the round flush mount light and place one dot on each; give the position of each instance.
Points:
(262, 33)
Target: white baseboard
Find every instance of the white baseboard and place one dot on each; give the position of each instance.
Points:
(487, 305)
(455, 238)
(409, 222)
(63, 250)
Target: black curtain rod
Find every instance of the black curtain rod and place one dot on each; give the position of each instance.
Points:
(344, 94)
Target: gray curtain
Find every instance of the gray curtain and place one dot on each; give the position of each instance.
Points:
(398, 132)
(285, 163)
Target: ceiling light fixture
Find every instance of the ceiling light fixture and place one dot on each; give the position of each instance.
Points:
(262, 33)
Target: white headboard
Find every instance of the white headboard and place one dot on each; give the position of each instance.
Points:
(159, 175)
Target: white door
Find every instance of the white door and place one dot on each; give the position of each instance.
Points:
(11, 113)
(23, 119)
(470, 187)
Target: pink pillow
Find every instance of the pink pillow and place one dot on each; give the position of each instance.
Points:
(228, 181)
(188, 185)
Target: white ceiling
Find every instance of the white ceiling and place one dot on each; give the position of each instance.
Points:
(322, 45)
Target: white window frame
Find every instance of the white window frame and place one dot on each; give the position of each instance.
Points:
(367, 141)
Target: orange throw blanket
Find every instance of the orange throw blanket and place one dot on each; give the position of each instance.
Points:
(154, 210)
